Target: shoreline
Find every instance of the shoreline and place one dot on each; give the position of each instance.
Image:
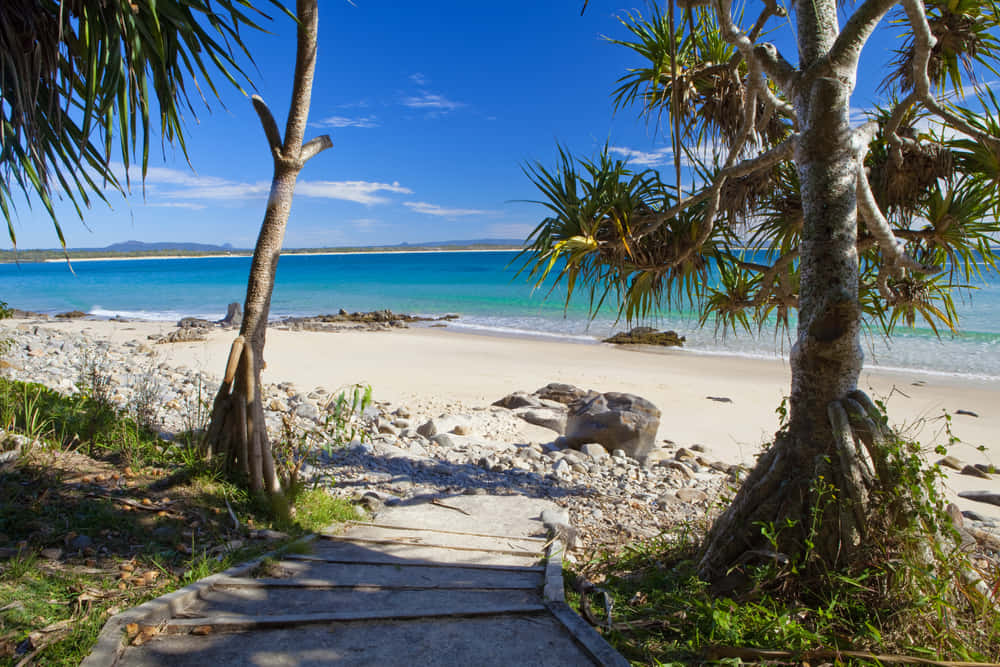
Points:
(726, 404)
(955, 377)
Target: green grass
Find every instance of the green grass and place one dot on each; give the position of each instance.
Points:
(665, 615)
(316, 510)
(155, 518)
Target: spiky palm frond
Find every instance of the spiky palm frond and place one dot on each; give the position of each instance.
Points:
(731, 302)
(961, 229)
(77, 76)
(978, 158)
(709, 88)
(776, 223)
(966, 39)
(594, 236)
(903, 177)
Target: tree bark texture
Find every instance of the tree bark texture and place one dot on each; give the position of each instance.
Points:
(809, 490)
(237, 434)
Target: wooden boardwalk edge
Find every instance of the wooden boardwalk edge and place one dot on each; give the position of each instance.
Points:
(111, 640)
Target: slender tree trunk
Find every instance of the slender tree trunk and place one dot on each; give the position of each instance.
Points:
(809, 490)
(238, 432)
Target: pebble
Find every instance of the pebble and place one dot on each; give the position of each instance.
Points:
(420, 452)
(973, 471)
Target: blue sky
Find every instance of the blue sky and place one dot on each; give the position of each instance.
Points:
(433, 109)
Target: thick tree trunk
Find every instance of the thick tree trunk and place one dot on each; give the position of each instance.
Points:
(238, 432)
(809, 489)
(237, 435)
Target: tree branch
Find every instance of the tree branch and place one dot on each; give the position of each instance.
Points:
(305, 67)
(782, 151)
(766, 56)
(267, 122)
(314, 147)
(923, 43)
(847, 48)
(775, 66)
(892, 248)
(895, 120)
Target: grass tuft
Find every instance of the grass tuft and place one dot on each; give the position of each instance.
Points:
(97, 514)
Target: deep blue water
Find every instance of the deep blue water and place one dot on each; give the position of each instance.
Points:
(480, 286)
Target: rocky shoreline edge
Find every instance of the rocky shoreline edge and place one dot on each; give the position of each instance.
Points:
(426, 449)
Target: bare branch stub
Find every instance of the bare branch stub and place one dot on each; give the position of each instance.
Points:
(314, 147)
(268, 123)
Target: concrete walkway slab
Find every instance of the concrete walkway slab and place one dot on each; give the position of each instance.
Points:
(435, 574)
(537, 639)
(384, 601)
(466, 580)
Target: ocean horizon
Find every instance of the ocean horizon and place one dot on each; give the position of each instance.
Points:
(480, 286)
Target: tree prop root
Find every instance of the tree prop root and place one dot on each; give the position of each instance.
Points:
(237, 434)
(828, 502)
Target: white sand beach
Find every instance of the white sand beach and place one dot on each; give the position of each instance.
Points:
(440, 370)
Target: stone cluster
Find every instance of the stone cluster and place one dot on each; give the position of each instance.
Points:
(429, 448)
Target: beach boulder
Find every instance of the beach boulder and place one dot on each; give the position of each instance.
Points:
(615, 420)
(518, 399)
(559, 392)
(545, 417)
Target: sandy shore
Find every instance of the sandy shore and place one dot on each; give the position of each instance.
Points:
(440, 369)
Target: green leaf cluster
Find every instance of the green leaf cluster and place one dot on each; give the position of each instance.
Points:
(614, 230)
(85, 82)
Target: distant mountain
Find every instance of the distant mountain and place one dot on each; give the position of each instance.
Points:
(140, 246)
(516, 243)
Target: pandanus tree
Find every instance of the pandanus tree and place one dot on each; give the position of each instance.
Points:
(797, 217)
(82, 81)
(237, 435)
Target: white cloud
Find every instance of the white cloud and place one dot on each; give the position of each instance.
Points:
(418, 79)
(344, 121)
(362, 192)
(221, 190)
(176, 204)
(431, 102)
(654, 158)
(662, 157)
(182, 189)
(365, 223)
(434, 209)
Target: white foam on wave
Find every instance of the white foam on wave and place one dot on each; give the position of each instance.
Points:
(515, 331)
(150, 315)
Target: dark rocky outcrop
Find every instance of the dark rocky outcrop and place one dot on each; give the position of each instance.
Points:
(194, 323)
(376, 320)
(72, 315)
(184, 334)
(19, 314)
(647, 336)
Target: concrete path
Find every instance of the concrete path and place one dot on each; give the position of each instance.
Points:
(469, 580)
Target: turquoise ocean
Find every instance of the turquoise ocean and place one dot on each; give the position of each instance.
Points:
(481, 287)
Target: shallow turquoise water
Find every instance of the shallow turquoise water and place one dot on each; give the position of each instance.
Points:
(479, 286)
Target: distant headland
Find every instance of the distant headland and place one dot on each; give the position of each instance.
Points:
(163, 249)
